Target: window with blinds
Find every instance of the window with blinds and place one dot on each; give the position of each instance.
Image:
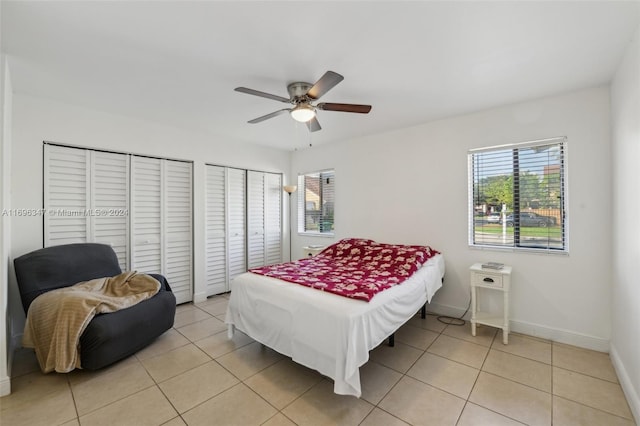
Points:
(517, 196)
(316, 202)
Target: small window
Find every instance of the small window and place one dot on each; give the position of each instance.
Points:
(517, 196)
(316, 202)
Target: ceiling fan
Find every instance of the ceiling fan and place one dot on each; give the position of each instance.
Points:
(302, 95)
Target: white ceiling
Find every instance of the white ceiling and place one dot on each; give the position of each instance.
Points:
(178, 62)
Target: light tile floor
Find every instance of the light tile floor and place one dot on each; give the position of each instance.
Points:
(436, 374)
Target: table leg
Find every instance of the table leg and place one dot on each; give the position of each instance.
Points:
(473, 311)
(505, 330)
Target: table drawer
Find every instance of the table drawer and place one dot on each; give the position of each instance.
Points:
(311, 251)
(487, 279)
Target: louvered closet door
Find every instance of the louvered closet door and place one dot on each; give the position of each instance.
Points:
(66, 195)
(86, 196)
(216, 237)
(236, 223)
(264, 218)
(146, 214)
(177, 250)
(255, 219)
(109, 221)
(273, 218)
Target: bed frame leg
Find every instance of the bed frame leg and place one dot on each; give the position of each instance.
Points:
(392, 340)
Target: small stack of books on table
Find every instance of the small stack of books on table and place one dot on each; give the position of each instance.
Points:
(492, 265)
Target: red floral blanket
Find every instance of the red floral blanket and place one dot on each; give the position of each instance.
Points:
(354, 268)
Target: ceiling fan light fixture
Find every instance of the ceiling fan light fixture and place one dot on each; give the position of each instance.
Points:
(303, 113)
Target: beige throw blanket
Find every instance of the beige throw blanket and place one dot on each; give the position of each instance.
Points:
(57, 319)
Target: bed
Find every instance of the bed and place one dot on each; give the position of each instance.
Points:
(324, 331)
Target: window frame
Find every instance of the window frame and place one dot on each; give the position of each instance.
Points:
(516, 245)
(301, 205)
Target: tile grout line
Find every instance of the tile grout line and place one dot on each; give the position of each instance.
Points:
(466, 402)
(594, 408)
(424, 351)
(240, 381)
(438, 334)
(157, 384)
(73, 398)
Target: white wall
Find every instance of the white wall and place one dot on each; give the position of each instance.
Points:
(625, 318)
(410, 186)
(36, 120)
(5, 221)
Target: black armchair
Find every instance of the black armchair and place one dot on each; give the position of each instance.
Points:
(108, 337)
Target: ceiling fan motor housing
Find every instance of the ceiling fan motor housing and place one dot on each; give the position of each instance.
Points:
(298, 91)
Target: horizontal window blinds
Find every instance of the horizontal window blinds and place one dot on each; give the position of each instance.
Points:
(517, 196)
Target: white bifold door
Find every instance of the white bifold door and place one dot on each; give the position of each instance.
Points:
(225, 227)
(243, 223)
(236, 218)
(161, 221)
(140, 206)
(264, 218)
(86, 198)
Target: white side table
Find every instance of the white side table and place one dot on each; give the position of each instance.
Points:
(310, 251)
(496, 280)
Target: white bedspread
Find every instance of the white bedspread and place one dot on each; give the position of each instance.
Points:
(323, 331)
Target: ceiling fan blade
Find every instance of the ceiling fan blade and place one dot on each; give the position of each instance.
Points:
(326, 83)
(262, 94)
(313, 125)
(268, 116)
(361, 109)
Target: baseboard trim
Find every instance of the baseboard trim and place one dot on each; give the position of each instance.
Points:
(536, 330)
(561, 336)
(5, 386)
(448, 310)
(625, 382)
(5, 381)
